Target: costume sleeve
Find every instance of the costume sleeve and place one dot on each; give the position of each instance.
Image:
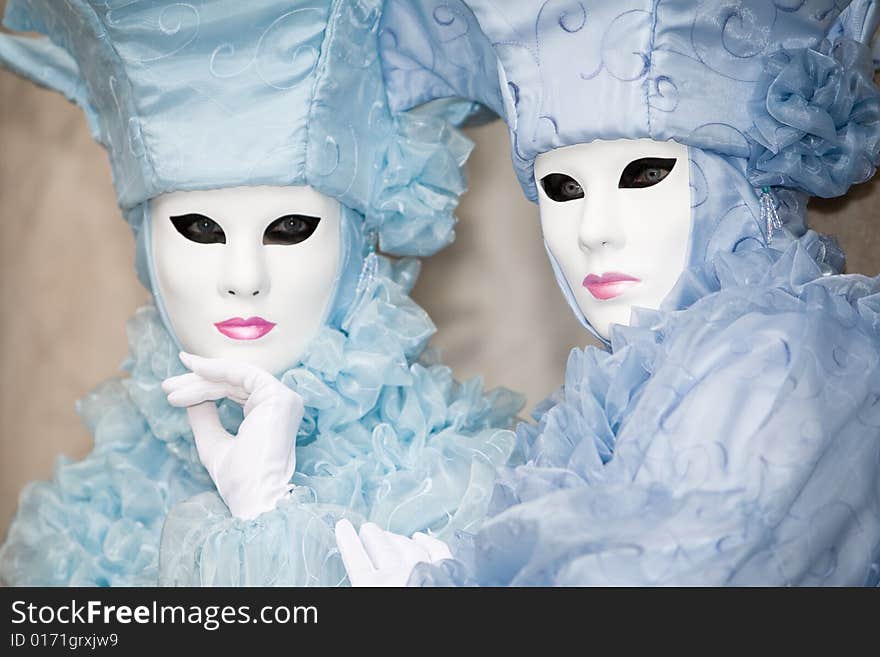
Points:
(401, 474)
(98, 521)
(749, 457)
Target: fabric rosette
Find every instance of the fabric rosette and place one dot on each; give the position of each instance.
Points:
(816, 117)
(418, 185)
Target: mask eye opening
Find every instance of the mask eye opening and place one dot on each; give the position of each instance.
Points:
(646, 172)
(290, 229)
(198, 228)
(561, 187)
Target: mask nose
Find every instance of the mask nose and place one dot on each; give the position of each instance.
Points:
(601, 226)
(245, 274)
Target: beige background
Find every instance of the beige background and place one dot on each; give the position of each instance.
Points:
(67, 281)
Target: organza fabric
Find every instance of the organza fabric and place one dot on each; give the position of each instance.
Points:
(386, 438)
(224, 94)
(815, 119)
(730, 438)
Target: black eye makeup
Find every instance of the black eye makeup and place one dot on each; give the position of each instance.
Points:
(645, 172)
(199, 228)
(562, 188)
(290, 229)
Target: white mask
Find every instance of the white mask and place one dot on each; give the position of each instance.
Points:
(251, 282)
(619, 229)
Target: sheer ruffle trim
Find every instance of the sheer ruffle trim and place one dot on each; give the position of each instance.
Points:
(730, 441)
(816, 118)
(97, 523)
(384, 438)
(398, 443)
(418, 186)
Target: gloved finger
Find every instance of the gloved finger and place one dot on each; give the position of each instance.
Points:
(437, 549)
(283, 397)
(354, 557)
(182, 381)
(202, 391)
(235, 373)
(197, 393)
(208, 432)
(411, 551)
(173, 383)
(383, 552)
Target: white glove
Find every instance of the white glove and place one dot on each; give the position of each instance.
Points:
(252, 469)
(380, 558)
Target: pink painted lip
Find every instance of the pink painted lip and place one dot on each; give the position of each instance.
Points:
(609, 285)
(252, 328)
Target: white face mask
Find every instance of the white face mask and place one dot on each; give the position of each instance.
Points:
(616, 216)
(246, 273)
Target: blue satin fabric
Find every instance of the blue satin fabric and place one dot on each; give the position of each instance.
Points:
(203, 95)
(185, 97)
(571, 71)
(433, 50)
(731, 437)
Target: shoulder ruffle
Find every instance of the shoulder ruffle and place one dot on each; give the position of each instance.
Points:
(734, 441)
(385, 438)
(98, 521)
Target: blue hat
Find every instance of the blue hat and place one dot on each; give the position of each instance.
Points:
(786, 84)
(209, 94)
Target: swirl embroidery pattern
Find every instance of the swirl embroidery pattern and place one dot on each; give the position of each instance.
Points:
(643, 68)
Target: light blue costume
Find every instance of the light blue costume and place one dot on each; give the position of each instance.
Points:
(733, 435)
(203, 95)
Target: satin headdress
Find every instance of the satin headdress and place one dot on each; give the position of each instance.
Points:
(786, 84)
(209, 94)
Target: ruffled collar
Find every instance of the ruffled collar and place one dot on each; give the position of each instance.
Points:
(789, 266)
(340, 378)
(575, 431)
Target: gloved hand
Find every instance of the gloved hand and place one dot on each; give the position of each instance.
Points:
(381, 558)
(252, 469)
